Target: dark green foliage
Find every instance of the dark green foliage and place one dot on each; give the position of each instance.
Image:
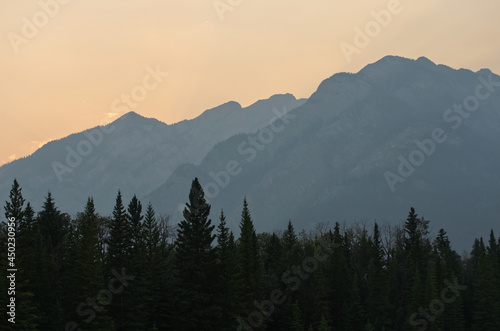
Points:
(84, 273)
(14, 207)
(378, 305)
(248, 261)
(226, 285)
(195, 262)
(347, 278)
(118, 261)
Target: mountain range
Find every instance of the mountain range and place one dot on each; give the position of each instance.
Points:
(363, 147)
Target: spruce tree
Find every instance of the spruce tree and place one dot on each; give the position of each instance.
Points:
(340, 280)
(487, 291)
(22, 259)
(14, 207)
(379, 308)
(118, 261)
(84, 271)
(48, 287)
(195, 261)
(248, 260)
(137, 265)
(226, 299)
(152, 266)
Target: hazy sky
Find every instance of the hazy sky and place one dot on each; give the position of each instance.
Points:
(65, 68)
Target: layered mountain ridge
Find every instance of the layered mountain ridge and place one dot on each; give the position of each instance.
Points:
(364, 146)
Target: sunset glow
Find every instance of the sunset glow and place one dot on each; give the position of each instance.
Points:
(66, 63)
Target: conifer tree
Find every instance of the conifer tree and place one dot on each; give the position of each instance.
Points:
(22, 258)
(487, 292)
(152, 266)
(14, 207)
(226, 299)
(447, 269)
(340, 280)
(118, 261)
(195, 262)
(249, 266)
(137, 265)
(379, 308)
(48, 286)
(84, 275)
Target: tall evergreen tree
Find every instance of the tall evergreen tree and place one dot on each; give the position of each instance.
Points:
(487, 291)
(87, 273)
(14, 207)
(22, 258)
(137, 265)
(226, 268)
(118, 261)
(48, 285)
(248, 260)
(152, 266)
(340, 280)
(195, 261)
(379, 308)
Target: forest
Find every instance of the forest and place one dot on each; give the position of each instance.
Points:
(136, 270)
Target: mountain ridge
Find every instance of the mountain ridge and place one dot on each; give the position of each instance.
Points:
(331, 158)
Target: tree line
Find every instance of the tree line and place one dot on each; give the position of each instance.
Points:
(135, 270)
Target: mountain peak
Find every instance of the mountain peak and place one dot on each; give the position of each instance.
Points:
(425, 61)
(130, 116)
(228, 106)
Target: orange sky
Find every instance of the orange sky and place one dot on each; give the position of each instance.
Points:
(65, 68)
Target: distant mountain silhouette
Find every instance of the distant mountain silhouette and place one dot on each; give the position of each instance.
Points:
(366, 146)
(134, 154)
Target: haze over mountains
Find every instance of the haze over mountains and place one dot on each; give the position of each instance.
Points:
(134, 154)
(364, 146)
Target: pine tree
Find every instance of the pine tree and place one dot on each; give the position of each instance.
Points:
(152, 266)
(226, 285)
(249, 266)
(26, 314)
(340, 280)
(487, 291)
(165, 283)
(48, 287)
(137, 266)
(118, 261)
(355, 310)
(447, 268)
(379, 308)
(53, 225)
(86, 270)
(195, 261)
(120, 237)
(14, 207)
(417, 251)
